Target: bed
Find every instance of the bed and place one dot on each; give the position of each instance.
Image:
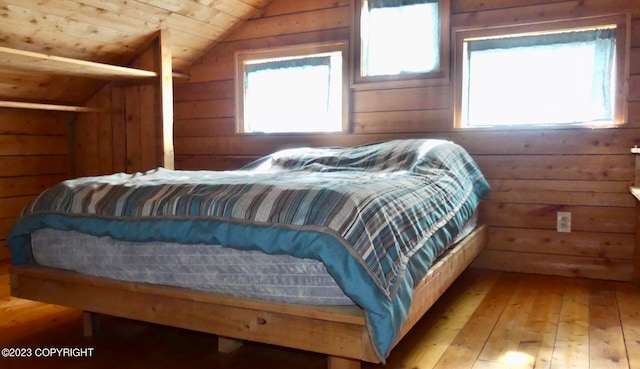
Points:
(378, 226)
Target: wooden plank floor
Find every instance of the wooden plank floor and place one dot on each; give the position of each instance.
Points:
(487, 320)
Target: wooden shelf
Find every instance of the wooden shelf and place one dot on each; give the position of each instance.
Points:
(50, 64)
(57, 65)
(54, 107)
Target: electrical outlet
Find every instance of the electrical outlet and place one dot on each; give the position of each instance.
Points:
(564, 222)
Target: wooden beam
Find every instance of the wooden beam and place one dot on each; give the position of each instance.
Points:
(50, 64)
(165, 130)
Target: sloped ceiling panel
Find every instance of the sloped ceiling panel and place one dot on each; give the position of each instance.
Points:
(107, 31)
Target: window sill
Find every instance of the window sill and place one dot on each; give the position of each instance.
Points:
(533, 127)
(389, 82)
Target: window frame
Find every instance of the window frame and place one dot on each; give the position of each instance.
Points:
(622, 23)
(242, 56)
(440, 76)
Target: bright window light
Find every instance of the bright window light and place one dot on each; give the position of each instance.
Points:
(294, 94)
(554, 78)
(398, 39)
(517, 359)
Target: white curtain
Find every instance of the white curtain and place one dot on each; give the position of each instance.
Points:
(540, 79)
(293, 95)
(400, 37)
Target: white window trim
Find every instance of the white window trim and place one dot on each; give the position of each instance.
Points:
(622, 21)
(295, 50)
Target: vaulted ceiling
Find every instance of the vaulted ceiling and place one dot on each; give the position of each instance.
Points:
(106, 31)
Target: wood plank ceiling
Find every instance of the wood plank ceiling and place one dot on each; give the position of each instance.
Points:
(106, 31)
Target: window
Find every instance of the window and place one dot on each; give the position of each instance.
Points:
(545, 77)
(401, 39)
(294, 89)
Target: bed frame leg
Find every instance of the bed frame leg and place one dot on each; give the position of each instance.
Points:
(90, 324)
(228, 345)
(335, 362)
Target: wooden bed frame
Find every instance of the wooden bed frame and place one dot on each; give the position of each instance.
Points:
(337, 331)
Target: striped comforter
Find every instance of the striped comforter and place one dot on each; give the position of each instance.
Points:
(377, 215)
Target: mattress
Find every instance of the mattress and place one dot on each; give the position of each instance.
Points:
(211, 268)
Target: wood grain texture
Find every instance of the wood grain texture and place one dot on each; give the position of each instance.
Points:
(553, 264)
(606, 336)
(563, 323)
(34, 150)
(587, 244)
(572, 338)
(510, 328)
(466, 347)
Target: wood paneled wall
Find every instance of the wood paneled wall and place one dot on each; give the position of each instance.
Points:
(534, 172)
(33, 155)
(138, 133)
(98, 140)
(122, 141)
